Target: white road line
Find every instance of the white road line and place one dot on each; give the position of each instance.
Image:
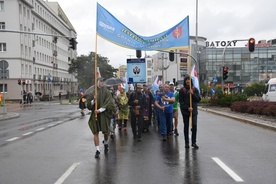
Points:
(67, 173)
(39, 129)
(13, 139)
(28, 133)
(51, 125)
(227, 170)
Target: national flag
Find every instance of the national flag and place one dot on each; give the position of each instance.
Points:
(195, 78)
(98, 72)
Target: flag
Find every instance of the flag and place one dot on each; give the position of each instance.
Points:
(98, 72)
(111, 29)
(155, 85)
(195, 78)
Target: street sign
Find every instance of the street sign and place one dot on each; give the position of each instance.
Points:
(4, 64)
(49, 78)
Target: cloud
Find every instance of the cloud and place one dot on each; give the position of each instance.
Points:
(217, 20)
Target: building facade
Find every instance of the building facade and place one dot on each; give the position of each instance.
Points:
(35, 45)
(244, 67)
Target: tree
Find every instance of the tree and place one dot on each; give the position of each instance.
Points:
(255, 88)
(83, 69)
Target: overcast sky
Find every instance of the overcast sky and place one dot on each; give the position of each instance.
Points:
(218, 20)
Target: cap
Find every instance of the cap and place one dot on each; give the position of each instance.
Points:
(139, 86)
(171, 83)
(100, 79)
(81, 90)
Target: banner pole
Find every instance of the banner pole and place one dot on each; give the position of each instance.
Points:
(95, 73)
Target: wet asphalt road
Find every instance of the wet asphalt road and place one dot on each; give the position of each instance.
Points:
(67, 148)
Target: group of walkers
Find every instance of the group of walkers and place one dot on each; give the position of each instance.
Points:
(143, 108)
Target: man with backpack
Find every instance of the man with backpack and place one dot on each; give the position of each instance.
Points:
(188, 99)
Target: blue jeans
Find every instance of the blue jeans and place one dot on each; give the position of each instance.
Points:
(166, 120)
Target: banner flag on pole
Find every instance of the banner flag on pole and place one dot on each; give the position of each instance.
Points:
(155, 85)
(98, 72)
(195, 78)
(111, 29)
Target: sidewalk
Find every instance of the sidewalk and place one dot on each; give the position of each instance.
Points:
(11, 108)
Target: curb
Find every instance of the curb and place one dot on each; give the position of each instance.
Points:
(9, 115)
(242, 119)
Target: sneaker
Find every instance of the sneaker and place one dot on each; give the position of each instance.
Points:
(164, 138)
(82, 113)
(139, 138)
(195, 146)
(176, 132)
(97, 155)
(106, 148)
(187, 146)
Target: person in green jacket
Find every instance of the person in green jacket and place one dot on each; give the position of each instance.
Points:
(175, 108)
(100, 118)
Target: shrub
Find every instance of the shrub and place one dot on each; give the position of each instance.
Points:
(255, 107)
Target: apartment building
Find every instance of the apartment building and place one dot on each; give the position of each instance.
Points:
(35, 47)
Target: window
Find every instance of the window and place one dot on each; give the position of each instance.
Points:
(2, 25)
(3, 47)
(1, 88)
(1, 5)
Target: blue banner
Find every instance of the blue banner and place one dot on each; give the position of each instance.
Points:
(136, 70)
(111, 29)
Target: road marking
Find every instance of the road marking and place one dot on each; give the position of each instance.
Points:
(13, 139)
(39, 129)
(28, 133)
(51, 125)
(67, 173)
(227, 170)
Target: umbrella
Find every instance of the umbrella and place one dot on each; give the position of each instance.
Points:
(113, 81)
(89, 90)
(38, 93)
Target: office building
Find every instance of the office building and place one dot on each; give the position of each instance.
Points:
(36, 46)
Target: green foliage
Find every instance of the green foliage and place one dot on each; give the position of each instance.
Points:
(254, 89)
(83, 69)
(225, 100)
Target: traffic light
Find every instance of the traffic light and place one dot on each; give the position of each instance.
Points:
(171, 55)
(73, 43)
(138, 53)
(251, 45)
(225, 73)
(19, 82)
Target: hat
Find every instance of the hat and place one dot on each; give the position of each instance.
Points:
(81, 90)
(171, 83)
(100, 79)
(139, 86)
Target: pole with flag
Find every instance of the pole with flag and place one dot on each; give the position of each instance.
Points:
(193, 78)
